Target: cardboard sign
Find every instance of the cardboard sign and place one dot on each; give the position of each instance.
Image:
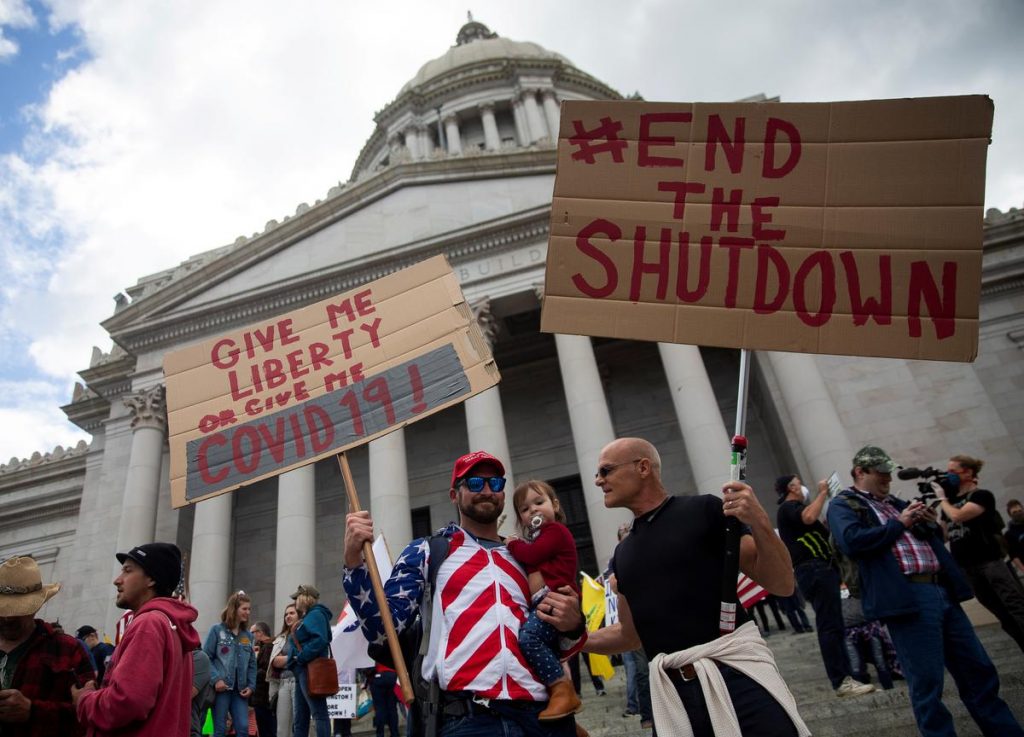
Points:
(343, 704)
(288, 391)
(845, 228)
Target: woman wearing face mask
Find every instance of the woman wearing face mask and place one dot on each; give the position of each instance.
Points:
(817, 575)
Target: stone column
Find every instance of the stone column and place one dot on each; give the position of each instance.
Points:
(295, 557)
(412, 142)
(451, 128)
(552, 113)
(389, 490)
(705, 435)
(591, 431)
(426, 144)
(818, 428)
(492, 139)
(519, 116)
(210, 568)
(142, 483)
(534, 121)
(485, 418)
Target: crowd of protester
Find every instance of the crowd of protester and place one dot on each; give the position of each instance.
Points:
(884, 588)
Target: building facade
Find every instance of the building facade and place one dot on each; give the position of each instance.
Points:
(462, 163)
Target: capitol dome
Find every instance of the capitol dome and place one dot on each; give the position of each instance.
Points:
(476, 44)
(486, 94)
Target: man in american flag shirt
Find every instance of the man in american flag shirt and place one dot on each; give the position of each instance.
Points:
(910, 581)
(481, 597)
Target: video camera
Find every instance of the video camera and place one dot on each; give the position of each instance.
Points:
(948, 482)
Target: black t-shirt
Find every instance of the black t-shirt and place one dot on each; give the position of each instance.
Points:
(669, 568)
(805, 542)
(976, 541)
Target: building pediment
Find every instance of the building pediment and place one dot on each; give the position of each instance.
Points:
(334, 246)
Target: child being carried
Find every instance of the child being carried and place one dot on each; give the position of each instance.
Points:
(550, 562)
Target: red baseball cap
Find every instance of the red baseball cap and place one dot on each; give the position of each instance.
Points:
(466, 463)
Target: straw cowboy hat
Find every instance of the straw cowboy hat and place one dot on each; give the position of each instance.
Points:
(22, 592)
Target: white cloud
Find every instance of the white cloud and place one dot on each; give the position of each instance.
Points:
(13, 14)
(31, 420)
(189, 124)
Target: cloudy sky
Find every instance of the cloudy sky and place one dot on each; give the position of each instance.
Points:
(136, 133)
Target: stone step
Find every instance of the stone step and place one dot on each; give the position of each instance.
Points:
(880, 714)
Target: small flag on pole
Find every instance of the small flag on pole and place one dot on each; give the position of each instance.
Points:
(748, 591)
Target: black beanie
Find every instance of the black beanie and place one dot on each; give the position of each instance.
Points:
(160, 561)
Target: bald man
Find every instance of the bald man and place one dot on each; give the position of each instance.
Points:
(669, 571)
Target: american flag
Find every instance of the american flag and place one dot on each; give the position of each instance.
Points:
(748, 591)
(479, 604)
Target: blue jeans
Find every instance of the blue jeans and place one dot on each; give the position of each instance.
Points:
(629, 663)
(227, 701)
(305, 705)
(638, 684)
(819, 583)
(938, 636)
(505, 720)
(538, 642)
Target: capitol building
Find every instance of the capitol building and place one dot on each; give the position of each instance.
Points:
(461, 163)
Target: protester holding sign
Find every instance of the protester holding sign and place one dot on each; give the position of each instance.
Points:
(817, 574)
(672, 608)
(474, 652)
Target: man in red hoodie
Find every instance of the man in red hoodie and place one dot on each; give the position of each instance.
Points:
(148, 687)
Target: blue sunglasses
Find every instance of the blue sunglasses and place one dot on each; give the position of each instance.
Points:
(477, 483)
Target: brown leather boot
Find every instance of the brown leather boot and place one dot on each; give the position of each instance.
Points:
(562, 703)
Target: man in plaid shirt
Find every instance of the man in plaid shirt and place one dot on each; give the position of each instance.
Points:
(38, 667)
(909, 581)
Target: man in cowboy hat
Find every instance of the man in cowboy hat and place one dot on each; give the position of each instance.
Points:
(148, 686)
(38, 667)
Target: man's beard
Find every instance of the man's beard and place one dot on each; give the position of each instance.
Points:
(476, 511)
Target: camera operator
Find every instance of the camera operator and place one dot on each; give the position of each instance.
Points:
(976, 541)
(911, 582)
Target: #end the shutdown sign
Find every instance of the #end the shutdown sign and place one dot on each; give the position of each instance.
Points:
(850, 228)
(317, 381)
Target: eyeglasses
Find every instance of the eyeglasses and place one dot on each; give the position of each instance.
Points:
(603, 471)
(477, 483)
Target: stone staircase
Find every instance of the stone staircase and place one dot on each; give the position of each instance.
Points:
(880, 714)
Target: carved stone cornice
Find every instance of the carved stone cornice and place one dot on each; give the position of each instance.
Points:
(147, 408)
(60, 461)
(497, 236)
(486, 320)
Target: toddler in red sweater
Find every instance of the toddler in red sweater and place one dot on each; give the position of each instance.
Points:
(550, 562)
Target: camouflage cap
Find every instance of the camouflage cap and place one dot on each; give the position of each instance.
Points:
(874, 458)
(306, 590)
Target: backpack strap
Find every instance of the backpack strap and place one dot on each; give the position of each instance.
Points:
(439, 546)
